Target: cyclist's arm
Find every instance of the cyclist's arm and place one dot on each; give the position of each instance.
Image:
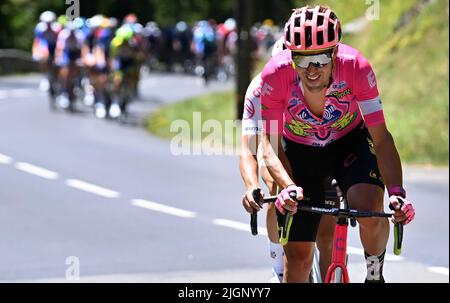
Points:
(372, 110)
(279, 172)
(248, 163)
(387, 155)
(273, 104)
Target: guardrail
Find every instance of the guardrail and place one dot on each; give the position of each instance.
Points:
(16, 61)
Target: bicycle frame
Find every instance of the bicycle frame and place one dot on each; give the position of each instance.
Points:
(339, 253)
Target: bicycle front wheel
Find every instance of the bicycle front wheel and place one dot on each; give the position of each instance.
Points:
(337, 276)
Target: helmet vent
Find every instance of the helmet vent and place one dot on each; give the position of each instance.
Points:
(330, 31)
(320, 38)
(308, 37)
(298, 38)
(333, 16)
(320, 20)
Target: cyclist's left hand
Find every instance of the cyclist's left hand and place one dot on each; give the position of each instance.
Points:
(403, 213)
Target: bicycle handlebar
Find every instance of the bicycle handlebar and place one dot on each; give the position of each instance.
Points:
(254, 217)
(335, 212)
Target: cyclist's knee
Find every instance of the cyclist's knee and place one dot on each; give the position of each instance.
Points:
(298, 264)
(299, 253)
(374, 225)
(365, 197)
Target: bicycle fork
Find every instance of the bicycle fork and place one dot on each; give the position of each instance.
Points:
(338, 262)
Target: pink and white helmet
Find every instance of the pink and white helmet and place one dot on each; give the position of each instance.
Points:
(312, 29)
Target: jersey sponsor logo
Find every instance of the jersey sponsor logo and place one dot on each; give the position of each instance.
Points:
(375, 175)
(336, 117)
(350, 159)
(299, 128)
(266, 89)
(342, 94)
(339, 244)
(253, 129)
(257, 92)
(339, 85)
(371, 79)
(249, 109)
(371, 147)
(345, 121)
(295, 101)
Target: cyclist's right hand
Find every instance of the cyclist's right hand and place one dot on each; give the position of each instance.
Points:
(285, 202)
(249, 203)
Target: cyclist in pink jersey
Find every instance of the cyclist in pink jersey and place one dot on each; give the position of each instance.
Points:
(249, 162)
(319, 99)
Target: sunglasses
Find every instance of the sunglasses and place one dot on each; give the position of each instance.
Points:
(317, 60)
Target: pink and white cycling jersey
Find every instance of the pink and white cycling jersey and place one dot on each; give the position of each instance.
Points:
(352, 97)
(252, 105)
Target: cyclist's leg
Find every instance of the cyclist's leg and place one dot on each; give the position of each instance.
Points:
(325, 233)
(298, 261)
(310, 166)
(363, 186)
(374, 232)
(324, 243)
(299, 251)
(118, 77)
(275, 248)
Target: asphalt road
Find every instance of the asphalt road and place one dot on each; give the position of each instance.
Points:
(111, 203)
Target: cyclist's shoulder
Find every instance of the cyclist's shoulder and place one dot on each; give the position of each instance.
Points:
(349, 55)
(254, 88)
(278, 66)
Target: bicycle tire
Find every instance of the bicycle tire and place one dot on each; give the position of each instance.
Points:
(336, 276)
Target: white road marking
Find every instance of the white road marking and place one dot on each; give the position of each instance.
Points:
(37, 171)
(22, 92)
(163, 208)
(4, 159)
(104, 192)
(439, 270)
(238, 226)
(91, 188)
(18, 92)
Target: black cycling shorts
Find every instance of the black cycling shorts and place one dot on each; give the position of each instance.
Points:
(350, 160)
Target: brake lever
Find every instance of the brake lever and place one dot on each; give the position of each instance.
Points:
(256, 194)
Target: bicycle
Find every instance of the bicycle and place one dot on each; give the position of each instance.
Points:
(315, 276)
(337, 271)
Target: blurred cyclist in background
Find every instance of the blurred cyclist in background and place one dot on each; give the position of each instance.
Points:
(142, 49)
(123, 62)
(96, 60)
(68, 58)
(43, 49)
(204, 47)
